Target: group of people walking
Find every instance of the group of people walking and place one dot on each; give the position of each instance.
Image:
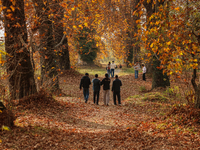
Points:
(85, 82)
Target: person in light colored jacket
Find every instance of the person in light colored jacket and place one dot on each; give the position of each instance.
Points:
(137, 68)
(112, 67)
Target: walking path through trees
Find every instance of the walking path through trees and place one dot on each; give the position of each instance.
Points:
(146, 120)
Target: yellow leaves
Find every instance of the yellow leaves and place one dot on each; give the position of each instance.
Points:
(86, 24)
(151, 45)
(74, 26)
(169, 43)
(5, 128)
(195, 60)
(13, 8)
(80, 26)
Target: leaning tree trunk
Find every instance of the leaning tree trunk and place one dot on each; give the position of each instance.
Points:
(19, 68)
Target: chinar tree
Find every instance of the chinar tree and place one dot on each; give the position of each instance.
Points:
(19, 68)
(86, 45)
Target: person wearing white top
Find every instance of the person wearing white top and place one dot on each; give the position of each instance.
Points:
(112, 67)
(144, 72)
(136, 67)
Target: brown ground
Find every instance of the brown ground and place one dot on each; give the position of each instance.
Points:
(72, 124)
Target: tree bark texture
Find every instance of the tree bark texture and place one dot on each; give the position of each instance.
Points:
(60, 38)
(49, 65)
(19, 68)
(159, 79)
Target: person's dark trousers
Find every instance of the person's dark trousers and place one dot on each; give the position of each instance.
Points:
(96, 94)
(136, 74)
(143, 77)
(112, 72)
(116, 93)
(86, 94)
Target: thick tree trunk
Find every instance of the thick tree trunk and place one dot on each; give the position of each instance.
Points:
(48, 55)
(196, 89)
(19, 68)
(159, 79)
(61, 39)
(136, 39)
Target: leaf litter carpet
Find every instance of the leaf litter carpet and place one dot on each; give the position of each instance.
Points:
(69, 123)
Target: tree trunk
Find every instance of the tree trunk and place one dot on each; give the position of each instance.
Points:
(19, 68)
(48, 55)
(61, 39)
(196, 89)
(136, 39)
(159, 79)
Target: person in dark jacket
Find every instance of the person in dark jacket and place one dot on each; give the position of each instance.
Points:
(85, 83)
(106, 87)
(116, 90)
(96, 88)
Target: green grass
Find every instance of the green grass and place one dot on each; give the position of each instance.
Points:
(92, 71)
(101, 71)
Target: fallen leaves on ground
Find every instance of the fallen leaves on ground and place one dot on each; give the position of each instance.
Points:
(69, 123)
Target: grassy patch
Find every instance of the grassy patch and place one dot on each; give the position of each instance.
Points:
(143, 89)
(155, 96)
(125, 71)
(92, 71)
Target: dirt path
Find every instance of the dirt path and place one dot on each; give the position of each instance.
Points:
(73, 124)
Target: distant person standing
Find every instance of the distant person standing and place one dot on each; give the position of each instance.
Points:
(112, 67)
(96, 88)
(136, 67)
(116, 90)
(144, 70)
(106, 88)
(108, 69)
(85, 83)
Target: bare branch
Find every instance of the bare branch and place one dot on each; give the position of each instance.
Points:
(60, 42)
